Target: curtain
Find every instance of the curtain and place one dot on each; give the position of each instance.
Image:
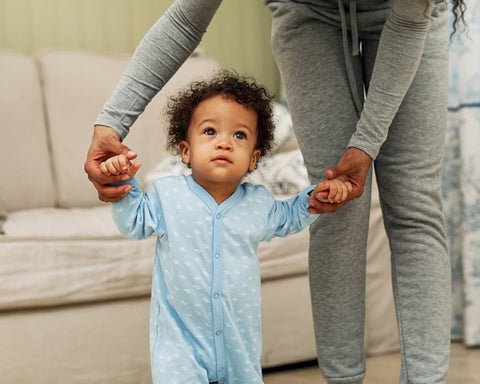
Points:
(461, 177)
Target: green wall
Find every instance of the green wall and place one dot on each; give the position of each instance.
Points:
(239, 36)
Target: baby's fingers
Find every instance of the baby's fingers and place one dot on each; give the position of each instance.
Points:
(113, 166)
(335, 193)
(122, 163)
(104, 169)
(349, 187)
(338, 191)
(321, 192)
(343, 191)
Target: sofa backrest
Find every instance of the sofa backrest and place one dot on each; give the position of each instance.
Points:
(26, 176)
(75, 86)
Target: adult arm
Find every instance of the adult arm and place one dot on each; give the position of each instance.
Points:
(158, 56)
(398, 57)
(399, 53)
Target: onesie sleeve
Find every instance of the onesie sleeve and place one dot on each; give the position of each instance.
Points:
(290, 216)
(161, 52)
(139, 215)
(399, 52)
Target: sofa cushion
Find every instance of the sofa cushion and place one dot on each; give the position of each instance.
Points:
(76, 85)
(64, 256)
(38, 273)
(26, 173)
(61, 224)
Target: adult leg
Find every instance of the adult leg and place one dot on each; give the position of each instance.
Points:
(311, 60)
(408, 175)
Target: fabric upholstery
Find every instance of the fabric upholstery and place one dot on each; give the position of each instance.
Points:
(23, 131)
(74, 96)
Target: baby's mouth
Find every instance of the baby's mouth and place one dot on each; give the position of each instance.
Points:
(222, 160)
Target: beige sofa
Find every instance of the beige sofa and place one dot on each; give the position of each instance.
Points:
(74, 295)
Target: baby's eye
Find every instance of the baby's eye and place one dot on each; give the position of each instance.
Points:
(240, 135)
(209, 131)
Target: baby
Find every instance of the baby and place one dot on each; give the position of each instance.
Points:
(205, 324)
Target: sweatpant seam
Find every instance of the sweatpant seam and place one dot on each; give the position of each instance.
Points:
(398, 306)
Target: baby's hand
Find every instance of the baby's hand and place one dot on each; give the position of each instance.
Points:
(332, 191)
(118, 165)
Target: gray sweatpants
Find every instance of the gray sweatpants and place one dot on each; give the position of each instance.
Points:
(311, 57)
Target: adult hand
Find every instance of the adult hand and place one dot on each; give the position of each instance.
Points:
(354, 166)
(105, 144)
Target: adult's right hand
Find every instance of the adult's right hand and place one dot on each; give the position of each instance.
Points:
(352, 167)
(105, 144)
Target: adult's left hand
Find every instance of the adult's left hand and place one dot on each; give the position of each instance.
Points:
(354, 165)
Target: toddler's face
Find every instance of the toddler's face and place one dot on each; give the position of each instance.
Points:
(221, 142)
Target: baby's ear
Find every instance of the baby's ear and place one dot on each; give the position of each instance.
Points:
(184, 149)
(253, 161)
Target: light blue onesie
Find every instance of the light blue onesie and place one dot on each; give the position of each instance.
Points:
(205, 321)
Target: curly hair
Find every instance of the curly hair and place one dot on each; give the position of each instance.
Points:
(243, 90)
(458, 10)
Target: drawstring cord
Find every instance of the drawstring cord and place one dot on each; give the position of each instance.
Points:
(354, 27)
(357, 96)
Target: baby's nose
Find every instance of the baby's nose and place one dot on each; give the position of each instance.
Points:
(224, 143)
